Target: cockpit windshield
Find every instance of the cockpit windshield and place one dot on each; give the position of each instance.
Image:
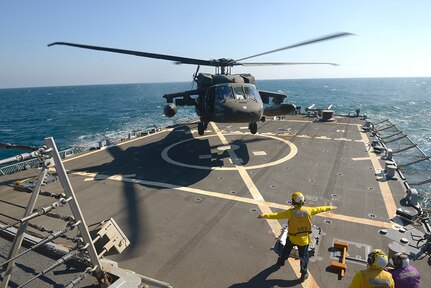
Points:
(251, 92)
(238, 92)
(223, 92)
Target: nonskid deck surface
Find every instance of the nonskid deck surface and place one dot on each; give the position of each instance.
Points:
(188, 203)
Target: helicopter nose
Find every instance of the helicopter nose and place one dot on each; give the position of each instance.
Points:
(245, 113)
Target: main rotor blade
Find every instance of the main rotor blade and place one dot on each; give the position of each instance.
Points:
(324, 38)
(178, 60)
(284, 63)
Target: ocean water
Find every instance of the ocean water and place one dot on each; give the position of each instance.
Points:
(79, 115)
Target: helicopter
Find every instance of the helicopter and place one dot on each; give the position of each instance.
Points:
(224, 97)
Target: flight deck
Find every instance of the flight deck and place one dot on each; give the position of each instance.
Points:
(189, 204)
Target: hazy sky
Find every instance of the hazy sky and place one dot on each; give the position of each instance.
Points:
(393, 39)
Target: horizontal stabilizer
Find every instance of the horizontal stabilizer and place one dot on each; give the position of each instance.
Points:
(277, 97)
(280, 109)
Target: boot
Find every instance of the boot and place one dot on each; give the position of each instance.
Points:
(304, 277)
(280, 261)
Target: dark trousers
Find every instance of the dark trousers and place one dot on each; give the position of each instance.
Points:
(303, 254)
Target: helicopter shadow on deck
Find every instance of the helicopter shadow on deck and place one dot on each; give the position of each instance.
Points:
(146, 163)
(261, 281)
(239, 146)
(220, 153)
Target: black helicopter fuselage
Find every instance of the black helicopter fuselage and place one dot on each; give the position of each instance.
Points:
(237, 111)
(227, 99)
(230, 99)
(232, 102)
(221, 98)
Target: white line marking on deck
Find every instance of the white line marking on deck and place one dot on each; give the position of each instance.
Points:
(259, 153)
(361, 158)
(343, 139)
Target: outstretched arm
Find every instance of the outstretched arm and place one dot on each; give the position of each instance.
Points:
(280, 215)
(320, 209)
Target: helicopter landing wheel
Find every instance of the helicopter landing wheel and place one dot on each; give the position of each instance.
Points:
(253, 127)
(205, 125)
(201, 128)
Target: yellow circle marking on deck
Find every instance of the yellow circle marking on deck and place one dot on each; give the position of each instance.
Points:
(292, 153)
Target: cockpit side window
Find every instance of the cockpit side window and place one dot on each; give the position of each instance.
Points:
(251, 92)
(239, 93)
(223, 92)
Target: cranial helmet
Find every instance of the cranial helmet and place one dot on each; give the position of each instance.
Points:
(400, 260)
(298, 198)
(377, 259)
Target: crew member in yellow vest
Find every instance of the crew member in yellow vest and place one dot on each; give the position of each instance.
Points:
(374, 276)
(299, 229)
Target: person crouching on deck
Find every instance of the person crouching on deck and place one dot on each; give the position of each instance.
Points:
(299, 229)
(404, 274)
(374, 276)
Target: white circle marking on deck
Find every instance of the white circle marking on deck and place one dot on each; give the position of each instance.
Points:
(292, 153)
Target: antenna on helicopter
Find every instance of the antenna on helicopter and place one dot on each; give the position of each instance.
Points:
(195, 75)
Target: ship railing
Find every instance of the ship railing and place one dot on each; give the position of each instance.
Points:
(411, 160)
(37, 162)
(21, 166)
(64, 154)
(414, 166)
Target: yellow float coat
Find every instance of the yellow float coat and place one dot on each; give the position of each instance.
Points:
(297, 220)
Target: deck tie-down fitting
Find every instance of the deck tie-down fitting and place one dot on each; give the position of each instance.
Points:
(340, 266)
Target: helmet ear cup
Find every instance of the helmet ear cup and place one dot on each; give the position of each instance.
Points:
(377, 258)
(396, 260)
(370, 259)
(400, 260)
